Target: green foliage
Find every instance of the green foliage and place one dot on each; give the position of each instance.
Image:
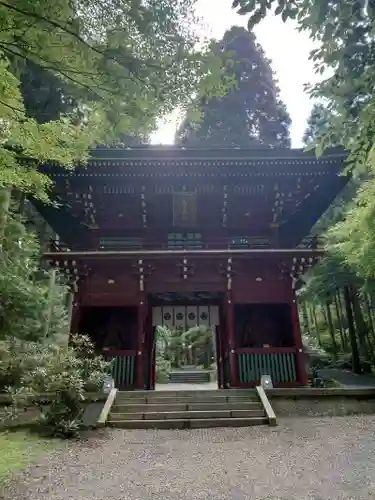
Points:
(354, 236)
(30, 362)
(24, 298)
(163, 370)
(318, 124)
(344, 31)
(163, 364)
(24, 290)
(177, 347)
(327, 276)
(318, 357)
(199, 340)
(251, 112)
(49, 368)
(77, 73)
(344, 35)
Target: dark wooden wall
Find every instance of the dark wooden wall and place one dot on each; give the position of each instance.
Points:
(254, 281)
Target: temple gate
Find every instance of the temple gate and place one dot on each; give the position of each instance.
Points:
(161, 235)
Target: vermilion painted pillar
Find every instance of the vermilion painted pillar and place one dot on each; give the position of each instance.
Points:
(301, 367)
(219, 357)
(231, 341)
(139, 366)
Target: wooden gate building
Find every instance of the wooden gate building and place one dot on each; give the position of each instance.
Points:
(164, 235)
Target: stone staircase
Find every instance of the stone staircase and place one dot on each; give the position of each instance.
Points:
(187, 409)
(189, 376)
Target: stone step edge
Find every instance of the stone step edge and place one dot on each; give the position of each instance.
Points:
(189, 415)
(252, 405)
(187, 394)
(190, 380)
(188, 424)
(191, 391)
(165, 401)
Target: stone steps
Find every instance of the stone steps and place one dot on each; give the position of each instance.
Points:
(175, 415)
(209, 396)
(184, 406)
(188, 423)
(186, 409)
(189, 377)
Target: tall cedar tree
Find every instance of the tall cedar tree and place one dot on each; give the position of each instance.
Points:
(46, 97)
(251, 112)
(317, 124)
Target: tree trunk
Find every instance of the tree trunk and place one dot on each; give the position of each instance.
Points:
(356, 363)
(305, 318)
(5, 199)
(342, 315)
(324, 314)
(369, 314)
(22, 203)
(364, 340)
(331, 329)
(343, 339)
(370, 303)
(317, 332)
(20, 199)
(51, 290)
(359, 322)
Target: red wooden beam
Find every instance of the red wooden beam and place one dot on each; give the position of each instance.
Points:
(123, 254)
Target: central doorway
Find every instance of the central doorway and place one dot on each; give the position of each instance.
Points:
(185, 335)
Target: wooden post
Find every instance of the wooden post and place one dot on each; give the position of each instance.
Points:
(301, 368)
(139, 376)
(219, 357)
(231, 341)
(141, 317)
(233, 365)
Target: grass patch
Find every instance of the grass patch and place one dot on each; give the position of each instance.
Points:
(18, 448)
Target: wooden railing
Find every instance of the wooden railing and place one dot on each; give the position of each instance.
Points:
(280, 363)
(126, 243)
(182, 244)
(123, 366)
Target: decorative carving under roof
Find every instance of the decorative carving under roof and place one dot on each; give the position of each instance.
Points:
(273, 193)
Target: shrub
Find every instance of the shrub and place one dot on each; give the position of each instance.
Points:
(163, 370)
(30, 363)
(57, 370)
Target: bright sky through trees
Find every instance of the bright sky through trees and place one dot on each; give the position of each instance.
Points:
(284, 45)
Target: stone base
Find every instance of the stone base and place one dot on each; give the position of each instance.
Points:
(322, 402)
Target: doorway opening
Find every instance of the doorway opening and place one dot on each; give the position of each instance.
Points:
(185, 329)
(113, 331)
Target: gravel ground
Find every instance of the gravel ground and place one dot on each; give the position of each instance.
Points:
(300, 459)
